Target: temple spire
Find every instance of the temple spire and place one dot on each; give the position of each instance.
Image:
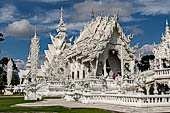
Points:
(61, 27)
(61, 16)
(167, 28)
(35, 33)
(34, 56)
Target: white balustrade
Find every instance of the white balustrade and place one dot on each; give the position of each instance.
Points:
(165, 71)
(129, 100)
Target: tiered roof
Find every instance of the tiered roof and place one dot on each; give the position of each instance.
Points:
(97, 35)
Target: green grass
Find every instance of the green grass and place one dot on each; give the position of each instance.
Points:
(6, 102)
(52, 97)
(12, 95)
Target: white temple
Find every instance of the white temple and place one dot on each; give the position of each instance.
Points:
(99, 68)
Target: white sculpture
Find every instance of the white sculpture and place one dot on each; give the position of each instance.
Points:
(9, 72)
(9, 77)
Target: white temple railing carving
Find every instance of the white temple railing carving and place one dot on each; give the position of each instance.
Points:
(129, 100)
(165, 71)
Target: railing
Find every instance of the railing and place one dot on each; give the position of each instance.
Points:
(165, 71)
(128, 100)
(130, 81)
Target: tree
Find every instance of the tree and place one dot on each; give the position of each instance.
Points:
(144, 63)
(1, 38)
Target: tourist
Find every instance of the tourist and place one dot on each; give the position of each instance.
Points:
(114, 76)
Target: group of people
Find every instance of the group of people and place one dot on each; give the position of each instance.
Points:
(116, 75)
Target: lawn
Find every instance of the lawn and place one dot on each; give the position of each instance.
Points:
(6, 102)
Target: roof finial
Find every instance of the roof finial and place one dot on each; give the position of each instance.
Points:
(35, 34)
(61, 26)
(92, 14)
(167, 31)
(166, 22)
(116, 18)
(61, 16)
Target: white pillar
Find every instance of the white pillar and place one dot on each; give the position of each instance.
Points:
(147, 89)
(155, 89)
(71, 66)
(105, 72)
(122, 66)
(81, 72)
(163, 90)
(96, 67)
(160, 64)
(75, 71)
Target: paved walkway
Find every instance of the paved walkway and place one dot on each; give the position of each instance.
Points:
(110, 107)
(10, 96)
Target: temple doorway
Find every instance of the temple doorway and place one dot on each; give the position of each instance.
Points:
(113, 64)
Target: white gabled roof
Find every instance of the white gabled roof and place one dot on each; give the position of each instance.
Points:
(52, 49)
(49, 56)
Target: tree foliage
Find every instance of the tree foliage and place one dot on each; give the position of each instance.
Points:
(1, 38)
(144, 63)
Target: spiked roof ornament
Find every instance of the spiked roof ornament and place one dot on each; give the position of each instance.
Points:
(167, 31)
(92, 14)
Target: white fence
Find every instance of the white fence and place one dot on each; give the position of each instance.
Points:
(165, 71)
(129, 100)
(120, 99)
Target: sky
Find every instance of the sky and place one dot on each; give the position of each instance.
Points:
(18, 18)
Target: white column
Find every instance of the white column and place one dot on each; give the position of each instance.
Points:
(105, 72)
(147, 89)
(75, 71)
(71, 66)
(155, 89)
(96, 66)
(160, 64)
(122, 70)
(81, 72)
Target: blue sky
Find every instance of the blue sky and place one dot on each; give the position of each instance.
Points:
(143, 18)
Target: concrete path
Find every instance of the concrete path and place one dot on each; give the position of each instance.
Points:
(110, 107)
(10, 96)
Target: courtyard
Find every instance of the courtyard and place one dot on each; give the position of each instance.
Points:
(7, 102)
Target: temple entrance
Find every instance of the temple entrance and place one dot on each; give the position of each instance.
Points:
(113, 64)
(110, 66)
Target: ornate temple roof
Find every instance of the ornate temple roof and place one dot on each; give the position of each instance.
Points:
(95, 36)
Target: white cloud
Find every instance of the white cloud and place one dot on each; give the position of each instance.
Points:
(146, 49)
(106, 7)
(47, 1)
(134, 30)
(153, 7)
(125, 8)
(22, 29)
(48, 17)
(76, 26)
(7, 13)
(19, 63)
